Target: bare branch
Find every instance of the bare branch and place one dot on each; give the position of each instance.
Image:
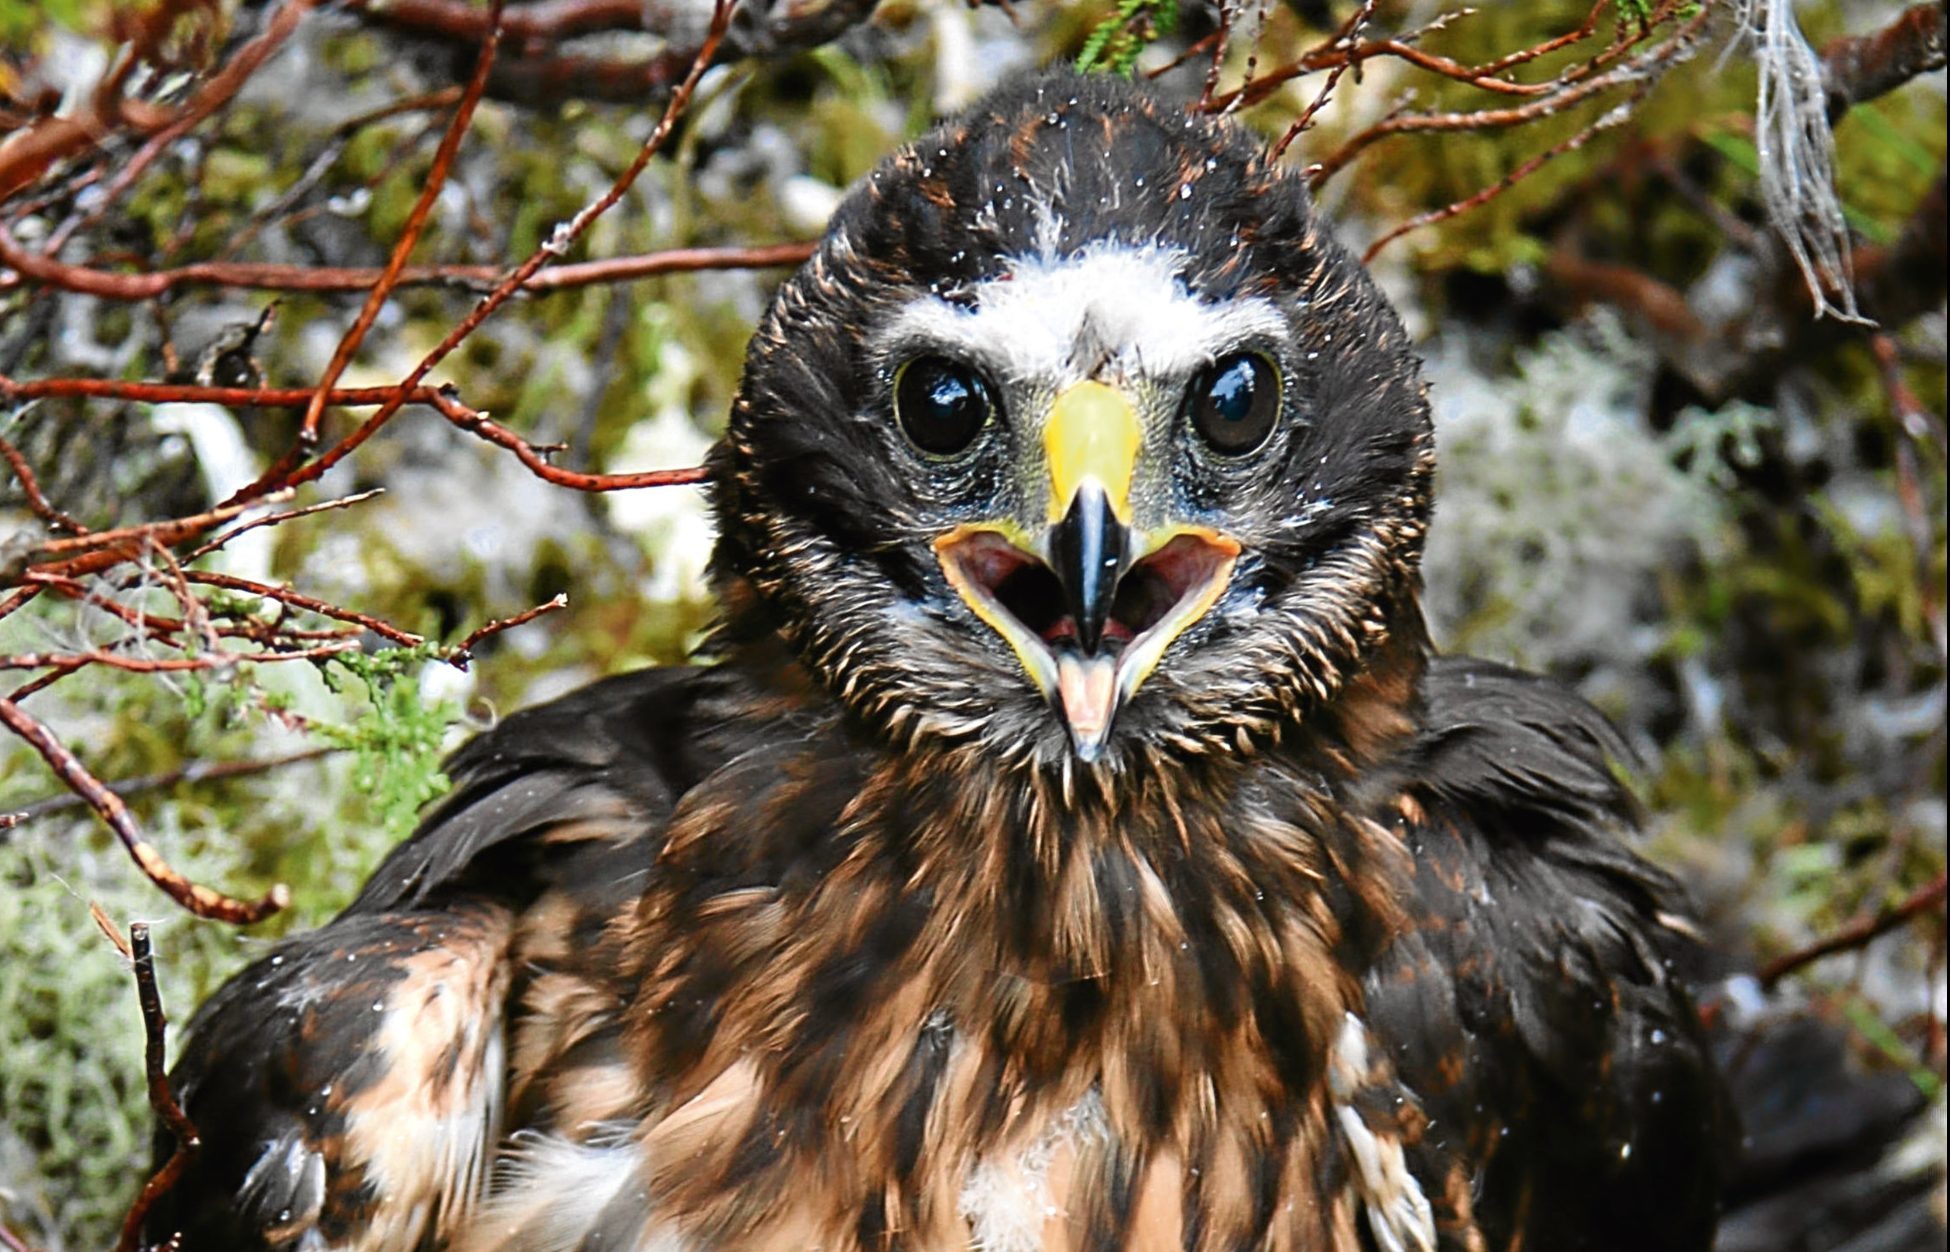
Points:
(162, 1100)
(198, 899)
(462, 653)
(29, 266)
(532, 457)
(1858, 933)
(1855, 69)
(30, 487)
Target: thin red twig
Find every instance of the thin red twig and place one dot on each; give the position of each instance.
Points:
(1637, 70)
(274, 519)
(1207, 44)
(30, 487)
(289, 471)
(196, 393)
(154, 624)
(533, 457)
(103, 549)
(198, 899)
(1858, 933)
(44, 681)
(148, 284)
(439, 399)
(462, 653)
(416, 220)
(1349, 30)
(1338, 53)
(1524, 56)
(1612, 117)
(140, 533)
(311, 604)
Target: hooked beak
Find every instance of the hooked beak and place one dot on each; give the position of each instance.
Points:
(1087, 601)
(1088, 549)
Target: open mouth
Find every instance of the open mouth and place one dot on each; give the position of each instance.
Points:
(1028, 591)
(1022, 598)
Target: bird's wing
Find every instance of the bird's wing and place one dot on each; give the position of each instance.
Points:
(348, 1087)
(1533, 1004)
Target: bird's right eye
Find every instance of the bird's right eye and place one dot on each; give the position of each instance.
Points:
(1234, 403)
(941, 404)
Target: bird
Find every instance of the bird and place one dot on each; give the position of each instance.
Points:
(1073, 840)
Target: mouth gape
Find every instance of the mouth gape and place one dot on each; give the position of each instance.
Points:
(1030, 592)
(1155, 599)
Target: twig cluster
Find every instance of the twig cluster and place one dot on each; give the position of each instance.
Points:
(1892, 283)
(1634, 57)
(174, 614)
(177, 617)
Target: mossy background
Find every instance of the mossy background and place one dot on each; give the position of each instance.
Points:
(1734, 579)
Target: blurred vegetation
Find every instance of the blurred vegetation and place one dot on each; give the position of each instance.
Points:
(1740, 580)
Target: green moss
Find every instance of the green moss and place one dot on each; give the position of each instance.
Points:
(396, 738)
(1114, 46)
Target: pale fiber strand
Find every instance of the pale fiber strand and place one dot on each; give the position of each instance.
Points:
(1796, 149)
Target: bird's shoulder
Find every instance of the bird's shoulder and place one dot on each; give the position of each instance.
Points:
(1538, 973)
(595, 772)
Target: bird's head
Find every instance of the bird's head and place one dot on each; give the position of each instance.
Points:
(1079, 437)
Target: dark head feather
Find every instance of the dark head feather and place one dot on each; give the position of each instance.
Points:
(827, 514)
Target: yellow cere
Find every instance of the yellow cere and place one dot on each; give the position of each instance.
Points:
(1093, 433)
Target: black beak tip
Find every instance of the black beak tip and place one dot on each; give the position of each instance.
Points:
(1088, 549)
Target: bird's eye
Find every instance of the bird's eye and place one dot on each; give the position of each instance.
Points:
(1234, 401)
(941, 404)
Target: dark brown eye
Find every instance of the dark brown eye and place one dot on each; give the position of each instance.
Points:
(941, 404)
(1234, 402)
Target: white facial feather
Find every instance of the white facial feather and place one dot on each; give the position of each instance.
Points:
(1054, 320)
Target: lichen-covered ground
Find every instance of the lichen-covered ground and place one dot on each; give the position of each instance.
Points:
(1742, 562)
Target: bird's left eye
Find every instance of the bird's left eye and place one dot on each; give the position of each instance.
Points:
(941, 404)
(1234, 401)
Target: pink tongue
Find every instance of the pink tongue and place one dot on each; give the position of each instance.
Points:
(1088, 687)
